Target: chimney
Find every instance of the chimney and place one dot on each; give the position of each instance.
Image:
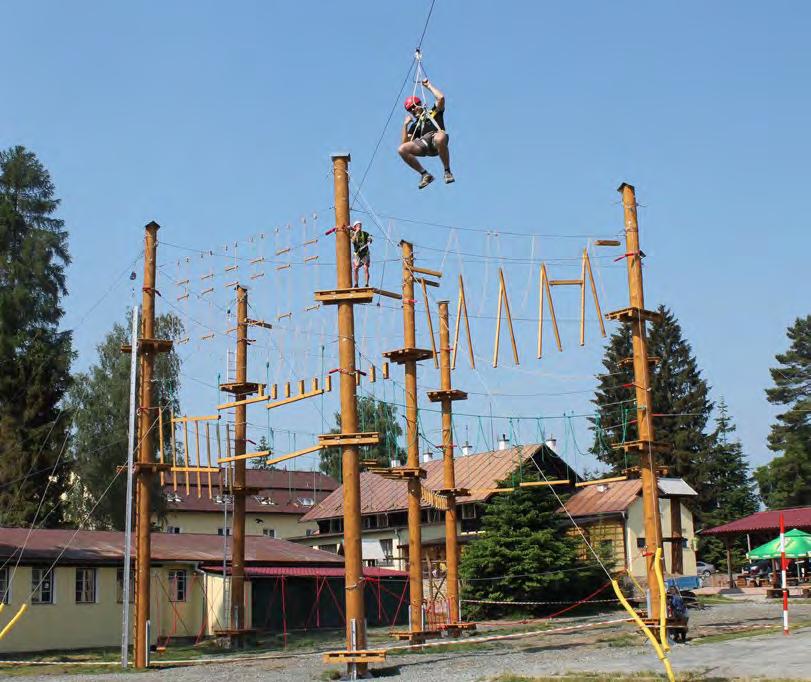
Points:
(427, 456)
(503, 443)
(552, 444)
(467, 448)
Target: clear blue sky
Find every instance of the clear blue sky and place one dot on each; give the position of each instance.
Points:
(217, 120)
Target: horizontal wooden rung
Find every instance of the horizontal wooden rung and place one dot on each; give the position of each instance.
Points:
(490, 491)
(606, 242)
(298, 453)
(536, 484)
(247, 455)
(341, 439)
(359, 656)
(295, 398)
(205, 418)
(247, 401)
(598, 481)
(565, 282)
(199, 470)
(427, 282)
(426, 271)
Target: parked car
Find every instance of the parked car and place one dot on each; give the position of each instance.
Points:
(704, 569)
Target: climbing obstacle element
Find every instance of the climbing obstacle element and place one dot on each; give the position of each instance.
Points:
(504, 300)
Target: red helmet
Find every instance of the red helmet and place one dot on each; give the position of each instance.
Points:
(412, 102)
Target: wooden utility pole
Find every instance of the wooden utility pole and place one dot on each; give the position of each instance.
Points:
(446, 395)
(148, 347)
(636, 316)
(240, 434)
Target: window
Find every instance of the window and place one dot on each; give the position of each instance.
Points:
(388, 549)
(306, 501)
(310, 532)
(329, 548)
(42, 586)
(640, 543)
(119, 587)
(85, 585)
(269, 532)
(4, 586)
(173, 530)
(468, 511)
(177, 585)
(223, 531)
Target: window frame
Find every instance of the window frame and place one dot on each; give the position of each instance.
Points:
(269, 533)
(174, 592)
(173, 530)
(37, 585)
(119, 585)
(5, 585)
(79, 570)
(226, 532)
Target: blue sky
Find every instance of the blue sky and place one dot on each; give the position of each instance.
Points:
(217, 120)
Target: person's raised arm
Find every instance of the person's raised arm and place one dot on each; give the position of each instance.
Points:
(404, 132)
(437, 93)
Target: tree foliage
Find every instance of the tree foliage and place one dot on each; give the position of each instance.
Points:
(99, 401)
(373, 415)
(786, 480)
(679, 393)
(727, 492)
(35, 355)
(524, 553)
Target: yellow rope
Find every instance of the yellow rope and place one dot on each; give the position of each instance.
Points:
(13, 621)
(645, 629)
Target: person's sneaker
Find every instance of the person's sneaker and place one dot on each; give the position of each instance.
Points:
(449, 178)
(427, 179)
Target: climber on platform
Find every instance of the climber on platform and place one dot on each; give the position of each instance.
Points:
(360, 242)
(424, 134)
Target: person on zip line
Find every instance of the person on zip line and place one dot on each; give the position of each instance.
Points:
(424, 134)
(360, 242)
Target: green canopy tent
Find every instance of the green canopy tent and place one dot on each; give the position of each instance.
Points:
(798, 546)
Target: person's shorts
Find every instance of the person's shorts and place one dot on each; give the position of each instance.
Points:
(362, 259)
(426, 142)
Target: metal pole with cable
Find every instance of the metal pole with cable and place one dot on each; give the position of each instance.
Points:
(125, 617)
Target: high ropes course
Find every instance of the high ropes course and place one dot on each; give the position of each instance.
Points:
(268, 362)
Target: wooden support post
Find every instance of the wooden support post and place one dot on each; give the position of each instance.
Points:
(186, 452)
(197, 450)
(208, 458)
(412, 443)
(240, 435)
(148, 349)
(429, 319)
(730, 578)
(583, 300)
(160, 444)
(644, 404)
(449, 474)
(590, 274)
(545, 290)
(354, 584)
(502, 297)
(174, 449)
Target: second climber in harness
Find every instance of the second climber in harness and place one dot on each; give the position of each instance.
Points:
(360, 242)
(424, 134)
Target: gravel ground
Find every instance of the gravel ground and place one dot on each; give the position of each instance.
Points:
(610, 649)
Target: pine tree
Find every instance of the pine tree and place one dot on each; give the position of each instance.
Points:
(35, 355)
(100, 403)
(373, 415)
(727, 492)
(786, 480)
(524, 553)
(261, 463)
(680, 401)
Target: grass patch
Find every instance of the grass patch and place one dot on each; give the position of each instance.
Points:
(709, 599)
(747, 632)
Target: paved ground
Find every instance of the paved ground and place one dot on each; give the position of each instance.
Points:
(616, 649)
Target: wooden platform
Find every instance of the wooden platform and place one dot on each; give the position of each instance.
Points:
(360, 656)
(353, 295)
(336, 440)
(416, 636)
(399, 473)
(403, 355)
(149, 346)
(643, 446)
(440, 395)
(241, 388)
(456, 492)
(634, 314)
(460, 627)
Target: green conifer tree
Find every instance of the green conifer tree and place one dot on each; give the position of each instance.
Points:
(727, 492)
(786, 480)
(35, 355)
(680, 398)
(523, 553)
(100, 403)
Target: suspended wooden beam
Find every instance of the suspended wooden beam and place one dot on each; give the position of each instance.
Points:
(599, 481)
(372, 374)
(583, 300)
(259, 323)
(538, 484)
(205, 418)
(426, 271)
(310, 259)
(504, 300)
(291, 455)
(590, 274)
(545, 290)
(461, 309)
(295, 398)
(423, 282)
(606, 242)
(247, 401)
(385, 369)
(248, 455)
(192, 469)
(490, 491)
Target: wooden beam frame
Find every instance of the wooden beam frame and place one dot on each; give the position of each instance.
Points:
(295, 398)
(430, 320)
(504, 300)
(247, 455)
(538, 484)
(461, 308)
(545, 289)
(612, 479)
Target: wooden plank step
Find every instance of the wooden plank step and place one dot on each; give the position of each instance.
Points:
(359, 656)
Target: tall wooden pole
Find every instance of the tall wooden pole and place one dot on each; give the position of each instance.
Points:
(148, 350)
(240, 429)
(449, 475)
(644, 403)
(412, 444)
(353, 558)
